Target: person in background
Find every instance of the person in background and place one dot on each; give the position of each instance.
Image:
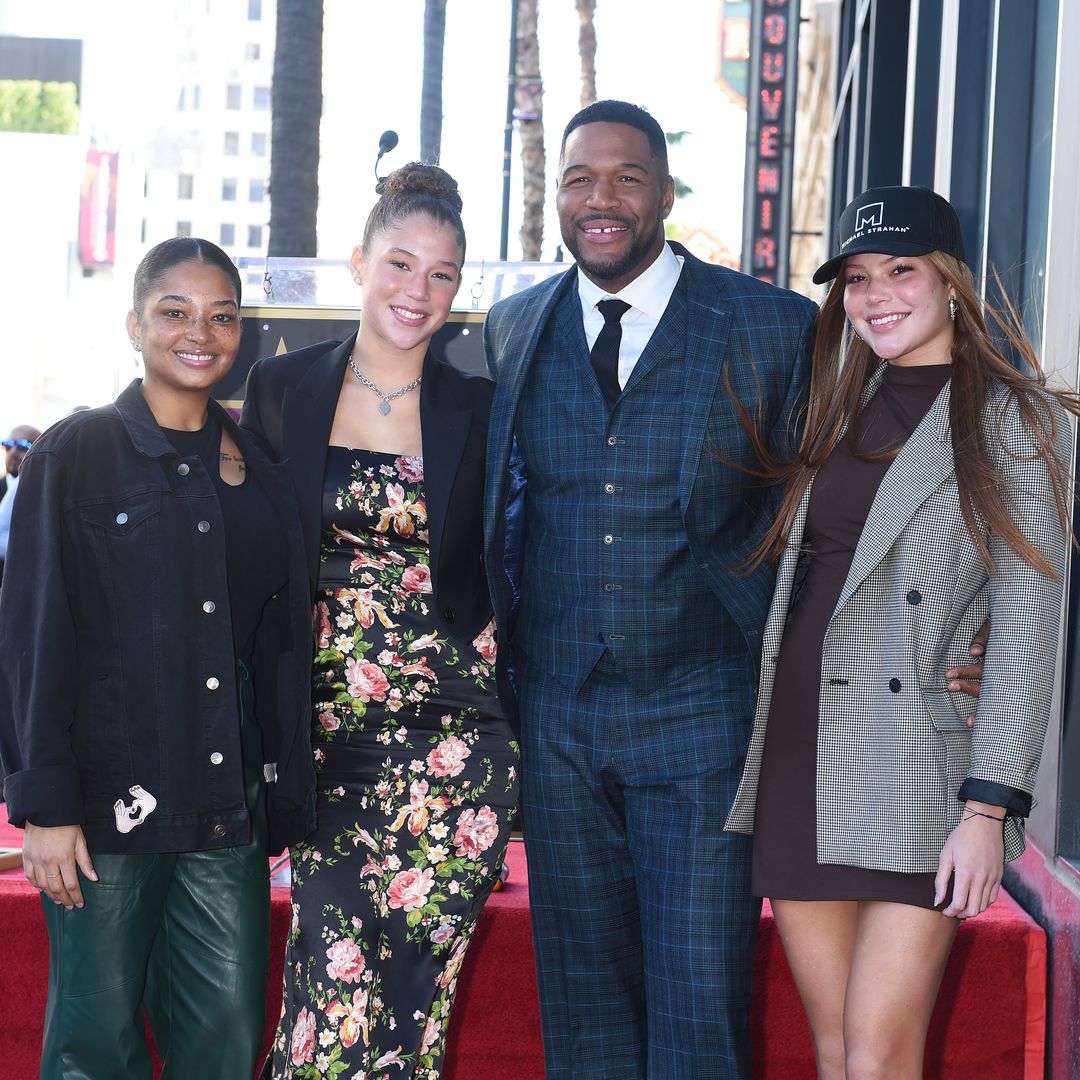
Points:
(931, 488)
(15, 446)
(417, 769)
(155, 576)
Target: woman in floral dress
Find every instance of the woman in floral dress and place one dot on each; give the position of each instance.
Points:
(416, 768)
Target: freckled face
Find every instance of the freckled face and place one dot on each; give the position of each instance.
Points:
(899, 305)
(410, 275)
(189, 328)
(612, 200)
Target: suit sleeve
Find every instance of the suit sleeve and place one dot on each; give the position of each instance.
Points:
(1025, 610)
(39, 655)
(785, 434)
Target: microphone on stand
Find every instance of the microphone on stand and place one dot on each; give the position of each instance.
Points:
(387, 141)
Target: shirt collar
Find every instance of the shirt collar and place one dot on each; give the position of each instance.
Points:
(649, 292)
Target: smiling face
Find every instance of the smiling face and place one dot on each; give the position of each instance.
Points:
(410, 274)
(188, 330)
(612, 200)
(899, 305)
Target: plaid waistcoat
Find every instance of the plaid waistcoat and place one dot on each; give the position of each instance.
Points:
(607, 561)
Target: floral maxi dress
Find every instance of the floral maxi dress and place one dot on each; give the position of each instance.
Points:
(417, 783)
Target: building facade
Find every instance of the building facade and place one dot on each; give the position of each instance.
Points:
(207, 170)
(980, 100)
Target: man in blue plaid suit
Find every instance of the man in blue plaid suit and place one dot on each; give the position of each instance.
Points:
(616, 520)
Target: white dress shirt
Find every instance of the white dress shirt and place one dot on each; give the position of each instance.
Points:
(648, 295)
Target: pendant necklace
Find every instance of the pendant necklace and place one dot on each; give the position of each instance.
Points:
(384, 405)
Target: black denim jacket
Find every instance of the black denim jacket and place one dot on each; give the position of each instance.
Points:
(116, 645)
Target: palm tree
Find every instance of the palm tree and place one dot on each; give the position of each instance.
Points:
(586, 10)
(528, 108)
(431, 87)
(296, 104)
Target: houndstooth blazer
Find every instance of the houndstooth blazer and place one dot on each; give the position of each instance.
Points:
(893, 744)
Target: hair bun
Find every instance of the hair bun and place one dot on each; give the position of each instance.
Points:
(417, 179)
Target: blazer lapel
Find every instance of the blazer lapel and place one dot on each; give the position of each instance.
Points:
(709, 315)
(517, 349)
(307, 413)
(444, 431)
(523, 339)
(924, 463)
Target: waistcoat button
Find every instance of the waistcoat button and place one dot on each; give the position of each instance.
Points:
(212, 683)
(209, 607)
(894, 686)
(611, 440)
(609, 488)
(914, 596)
(609, 539)
(216, 758)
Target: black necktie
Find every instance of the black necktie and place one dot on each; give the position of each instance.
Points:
(605, 351)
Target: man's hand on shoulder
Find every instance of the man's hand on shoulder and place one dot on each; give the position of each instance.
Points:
(967, 678)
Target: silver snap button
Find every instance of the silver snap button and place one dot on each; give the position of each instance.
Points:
(203, 526)
(121, 519)
(216, 758)
(209, 607)
(609, 539)
(183, 468)
(212, 683)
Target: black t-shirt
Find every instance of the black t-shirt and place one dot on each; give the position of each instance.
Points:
(255, 553)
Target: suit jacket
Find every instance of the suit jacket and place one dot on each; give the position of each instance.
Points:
(738, 327)
(290, 401)
(893, 744)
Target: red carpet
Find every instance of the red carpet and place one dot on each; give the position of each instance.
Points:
(990, 1021)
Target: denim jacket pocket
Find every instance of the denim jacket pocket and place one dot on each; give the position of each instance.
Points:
(121, 517)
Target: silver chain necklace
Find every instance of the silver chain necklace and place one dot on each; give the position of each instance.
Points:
(384, 405)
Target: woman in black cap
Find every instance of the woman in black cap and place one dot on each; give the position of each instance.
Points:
(930, 489)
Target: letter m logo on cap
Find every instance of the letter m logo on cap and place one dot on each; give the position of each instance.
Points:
(868, 215)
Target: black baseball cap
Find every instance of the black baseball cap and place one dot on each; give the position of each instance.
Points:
(894, 221)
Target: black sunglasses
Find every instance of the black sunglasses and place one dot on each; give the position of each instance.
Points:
(22, 444)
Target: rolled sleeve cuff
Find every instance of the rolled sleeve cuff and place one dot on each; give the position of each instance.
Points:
(46, 797)
(1016, 802)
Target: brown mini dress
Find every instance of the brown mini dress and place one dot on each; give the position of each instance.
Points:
(785, 862)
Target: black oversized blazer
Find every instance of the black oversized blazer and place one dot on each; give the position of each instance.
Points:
(291, 400)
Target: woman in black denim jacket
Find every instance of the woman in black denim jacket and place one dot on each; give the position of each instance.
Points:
(156, 576)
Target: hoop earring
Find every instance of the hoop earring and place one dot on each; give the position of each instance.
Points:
(952, 308)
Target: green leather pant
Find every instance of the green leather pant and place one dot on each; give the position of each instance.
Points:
(184, 934)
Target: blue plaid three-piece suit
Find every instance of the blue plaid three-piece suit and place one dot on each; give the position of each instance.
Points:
(613, 541)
